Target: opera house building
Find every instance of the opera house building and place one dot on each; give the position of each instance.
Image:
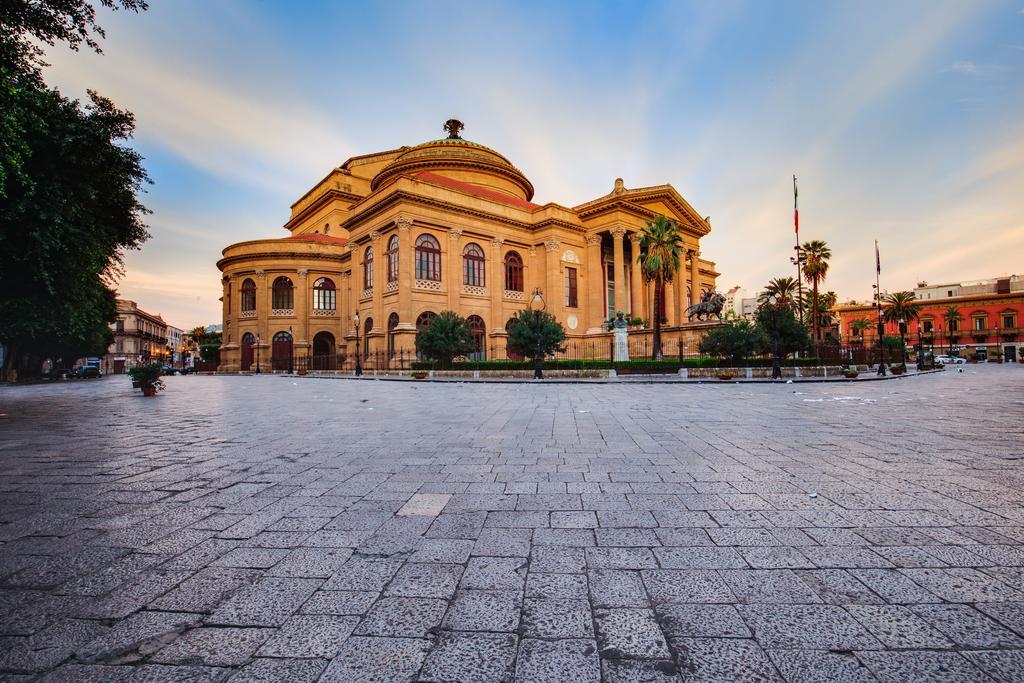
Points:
(392, 238)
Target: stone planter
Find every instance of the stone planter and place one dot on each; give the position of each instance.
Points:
(149, 391)
(419, 374)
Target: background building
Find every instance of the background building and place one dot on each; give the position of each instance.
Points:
(399, 236)
(991, 314)
(175, 345)
(139, 337)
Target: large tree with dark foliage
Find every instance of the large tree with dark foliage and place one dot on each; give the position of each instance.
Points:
(69, 189)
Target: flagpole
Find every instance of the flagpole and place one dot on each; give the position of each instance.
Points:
(797, 259)
(878, 308)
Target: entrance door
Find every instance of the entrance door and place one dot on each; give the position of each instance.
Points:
(118, 367)
(281, 352)
(324, 357)
(1010, 354)
(247, 343)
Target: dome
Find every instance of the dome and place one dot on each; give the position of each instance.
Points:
(460, 160)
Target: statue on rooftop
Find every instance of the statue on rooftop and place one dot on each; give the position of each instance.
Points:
(453, 126)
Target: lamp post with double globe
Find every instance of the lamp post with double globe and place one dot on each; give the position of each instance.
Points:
(776, 370)
(536, 306)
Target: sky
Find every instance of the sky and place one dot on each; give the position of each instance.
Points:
(904, 121)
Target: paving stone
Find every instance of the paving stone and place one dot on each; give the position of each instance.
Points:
(141, 633)
(838, 587)
(967, 627)
(767, 585)
(311, 563)
(617, 588)
(699, 558)
(339, 603)
(359, 574)
(722, 659)
(274, 670)
(557, 619)
(639, 671)
(402, 617)
(418, 580)
(503, 542)
(962, 585)
(629, 634)
(376, 660)
(540, 585)
(203, 591)
(921, 665)
(701, 621)
(443, 550)
(214, 646)
(898, 627)
(822, 627)
(484, 611)
(557, 560)
(471, 658)
(620, 558)
(558, 661)
(269, 602)
(160, 673)
(585, 519)
(494, 573)
(309, 635)
(813, 666)
(1002, 665)
(686, 586)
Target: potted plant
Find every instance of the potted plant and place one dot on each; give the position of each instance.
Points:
(725, 375)
(850, 374)
(898, 369)
(997, 357)
(147, 378)
(419, 374)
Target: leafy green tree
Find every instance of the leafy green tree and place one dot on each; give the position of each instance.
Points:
(815, 268)
(735, 340)
(780, 322)
(69, 191)
(527, 326)
(952, 317)
(446, 337)
(860, 325)
(661, 248)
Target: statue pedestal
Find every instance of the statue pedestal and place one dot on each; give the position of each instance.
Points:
(621, 344)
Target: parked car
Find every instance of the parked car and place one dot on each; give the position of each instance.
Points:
(87, 372)
(950, 360)
(169, 370)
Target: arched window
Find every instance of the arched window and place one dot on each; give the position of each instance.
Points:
(248, 295)
(473, 265)
(424, 319)
(392, 324)
(324, 295)
(368, 268)
(428, 258)
(367, 328)
(513, 272)
(478, 332)
(393, 259)
(282, 296)
(324, 356)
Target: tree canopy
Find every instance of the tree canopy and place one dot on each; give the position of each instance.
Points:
(527, 326)
(69, 188)
(660, 257)
(445, 337)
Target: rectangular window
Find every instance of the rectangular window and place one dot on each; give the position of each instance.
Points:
(120, 326)
(949, 292)
(571, 298)
(1009, 322)
(927, 325)
(979, 323)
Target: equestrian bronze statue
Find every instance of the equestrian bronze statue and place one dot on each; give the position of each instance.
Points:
(711, 304)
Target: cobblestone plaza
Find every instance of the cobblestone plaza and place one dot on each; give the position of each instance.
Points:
(277, 528)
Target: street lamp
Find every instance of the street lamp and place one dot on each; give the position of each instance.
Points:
(257, 354)
(903, 342)
(776, 370)
(536, 306)
(881, 331)
(359, 364)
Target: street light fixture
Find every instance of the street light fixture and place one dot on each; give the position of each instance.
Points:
(903, 342)
(359, 364)
(257, 354)
(776, 370)
(536, 305)
(881, 331)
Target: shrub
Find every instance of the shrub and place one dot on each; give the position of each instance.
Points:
(147, 376)
(446, 337)
(734, 340)
(527, 326)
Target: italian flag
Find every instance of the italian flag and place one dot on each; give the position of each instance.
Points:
(796, 210)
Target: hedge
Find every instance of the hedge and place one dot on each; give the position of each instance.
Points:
(639, 365)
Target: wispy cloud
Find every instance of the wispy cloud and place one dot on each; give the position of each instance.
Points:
(965, 67)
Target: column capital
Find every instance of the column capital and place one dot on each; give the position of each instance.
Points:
(618, 232)
(403, 222)
(497, 242)
(225, 278)
(552, 245)
(302, 272)
(455, 233)
(261, 274)
(374, 235)
(635, 237)
(345, 275)
(593, 239)
(532, 251)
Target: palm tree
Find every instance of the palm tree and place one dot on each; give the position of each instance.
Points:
(198, 333)
(952, 316)
(817, 254)
(859, 326)
(660, 249)
(901, 307)
(783, 288)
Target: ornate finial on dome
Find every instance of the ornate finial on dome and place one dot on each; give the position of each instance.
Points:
(453, 126)
(620, 187)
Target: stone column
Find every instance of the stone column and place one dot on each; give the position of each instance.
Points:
(679, 291)
(533, 278)
(495, 281)
(670, 306)
(454, 269)
(554, 290)
(636, 281)
(345, 307)
(621, 304)
(595, 285)
(263, 294)
(379, 277)
(694, 276)
(302, 308)
(406, 265)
